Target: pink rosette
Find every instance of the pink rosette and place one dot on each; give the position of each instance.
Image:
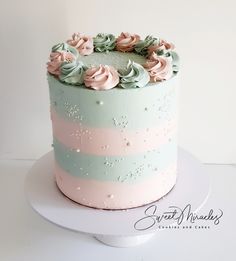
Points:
(126, 42)
(103, 77)
(84, 44)
(162, 46)
(158, 67)
(56, 59)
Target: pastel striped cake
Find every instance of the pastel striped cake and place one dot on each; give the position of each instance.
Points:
(114, 119)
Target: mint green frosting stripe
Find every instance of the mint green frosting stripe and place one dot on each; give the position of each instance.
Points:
(135, 108)
(131, 169)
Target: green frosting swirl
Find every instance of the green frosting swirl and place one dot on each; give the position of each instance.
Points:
(175, 61)
(104, 42)
(133, 76)
(72, 73)
(174, 58)
(142, 46)
(65, 47)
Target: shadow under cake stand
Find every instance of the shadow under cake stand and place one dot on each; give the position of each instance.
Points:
(119, 228)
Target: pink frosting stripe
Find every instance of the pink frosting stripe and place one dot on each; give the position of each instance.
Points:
(110, 142)
(115, 195)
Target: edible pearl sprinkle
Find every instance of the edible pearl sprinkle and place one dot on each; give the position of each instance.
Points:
(111, 196)
(128, 144)
(72, 111)
(100, 102)
(78, 188)
(105, 147)
(115, 121)
(78, 150)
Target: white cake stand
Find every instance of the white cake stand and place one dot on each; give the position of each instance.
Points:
(114, 228)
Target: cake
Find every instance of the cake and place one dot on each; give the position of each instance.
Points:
(114, 119)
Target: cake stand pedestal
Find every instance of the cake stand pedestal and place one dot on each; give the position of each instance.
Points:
(119, 228)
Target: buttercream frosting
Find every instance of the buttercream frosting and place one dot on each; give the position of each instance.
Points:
(83, 43)
(160, 48)
(126, 42)
(56, 59)
(72, 73)
(142, 46)
(158, 67)
(175, 61)
(104, 145)
(94, 193)
(103, 77)
(133, 76)
(104, 42)
(65, 47)
(106, 55)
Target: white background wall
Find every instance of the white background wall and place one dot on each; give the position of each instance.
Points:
(203, 31)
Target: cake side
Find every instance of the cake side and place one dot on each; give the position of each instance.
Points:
(114, 149)
(114, 119)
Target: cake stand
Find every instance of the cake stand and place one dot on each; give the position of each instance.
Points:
(119, 228)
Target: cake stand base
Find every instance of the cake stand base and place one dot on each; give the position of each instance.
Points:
(114, 228)
(124, 241)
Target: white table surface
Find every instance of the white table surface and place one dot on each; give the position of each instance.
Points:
(26, 236)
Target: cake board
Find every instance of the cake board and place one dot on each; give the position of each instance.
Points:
(114, 227)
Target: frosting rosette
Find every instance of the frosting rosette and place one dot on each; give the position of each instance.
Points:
(56, 59)
(104, 42)
(83, 43)
(158, 67)
(72, 73)
(142, 46)
(64, 47)
(133, 76)
(103, 77)
(164, 48)
(175, 61)
(153, 60)
(161, 48)
(126, 42)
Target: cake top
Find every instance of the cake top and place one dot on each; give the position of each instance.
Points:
(104, 62)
